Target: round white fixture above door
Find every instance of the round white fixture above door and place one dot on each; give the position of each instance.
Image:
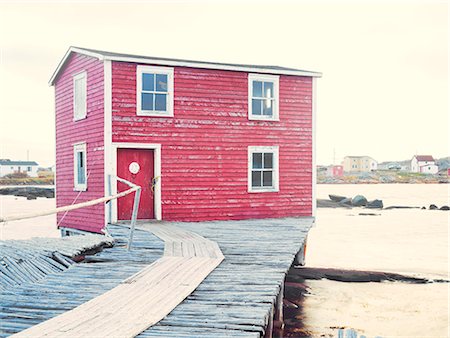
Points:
(134, 168)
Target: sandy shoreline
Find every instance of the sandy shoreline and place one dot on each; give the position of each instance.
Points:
(411, 242)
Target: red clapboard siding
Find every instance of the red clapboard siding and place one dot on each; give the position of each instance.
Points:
(205, 144)
(89, 130)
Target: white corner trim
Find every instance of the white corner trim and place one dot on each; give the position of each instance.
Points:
(107, 131)
(313, 131)
(156, 70)
(157, 172)
(275, 79)
(276, 168)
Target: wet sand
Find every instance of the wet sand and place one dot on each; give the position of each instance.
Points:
(411, 242)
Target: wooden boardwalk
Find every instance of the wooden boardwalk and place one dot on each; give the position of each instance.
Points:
(31, 260)
(145, 298)
(235, 300)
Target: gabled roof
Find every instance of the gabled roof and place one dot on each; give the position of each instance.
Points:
(9, 162)
(104, 55)
(424, 157)
(360, 157)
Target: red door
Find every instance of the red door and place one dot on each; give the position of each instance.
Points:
(136, 166)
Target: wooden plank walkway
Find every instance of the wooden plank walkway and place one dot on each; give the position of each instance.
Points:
(145, 298)
(33, 259)
(29, 304)
(235, 300)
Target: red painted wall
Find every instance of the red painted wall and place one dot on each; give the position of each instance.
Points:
(205, 144)
(89, 130)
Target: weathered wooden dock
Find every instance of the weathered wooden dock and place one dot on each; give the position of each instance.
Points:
(31, 260)
(146, 297)
(237, 299)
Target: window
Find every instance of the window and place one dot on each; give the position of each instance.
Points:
(79, 96)
(262, 169)
(263, 97)
(154, 91)
(29, 169)
(80, 167)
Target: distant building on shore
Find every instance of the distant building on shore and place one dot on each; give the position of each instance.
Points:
(424, 164)
(359, 164)
(335, 171)
(11, 167)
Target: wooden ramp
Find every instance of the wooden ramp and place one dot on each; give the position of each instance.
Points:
(145, 298)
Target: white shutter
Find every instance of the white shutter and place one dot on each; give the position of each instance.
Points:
(79, 96)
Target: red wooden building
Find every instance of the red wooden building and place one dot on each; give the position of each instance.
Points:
(218, 141)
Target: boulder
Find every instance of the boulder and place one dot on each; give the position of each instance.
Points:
(433, 207)
(346, 201)
(336, 198)
(359, 201)
(375, 204)
(400, 207)
(444, 207)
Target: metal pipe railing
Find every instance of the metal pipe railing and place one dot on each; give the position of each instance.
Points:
(134, 213)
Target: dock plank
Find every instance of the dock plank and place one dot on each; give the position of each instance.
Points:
(234, 300)
(145, 298)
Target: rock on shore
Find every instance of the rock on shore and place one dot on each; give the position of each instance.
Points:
(30, 193)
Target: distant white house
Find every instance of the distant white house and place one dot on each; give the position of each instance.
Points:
(9, 167)
(359, 164)
(424, 164)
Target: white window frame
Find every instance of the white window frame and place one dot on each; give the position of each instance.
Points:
(77, 148)
(275, 79)
(79, 113)
(276, 176)
(155, 70)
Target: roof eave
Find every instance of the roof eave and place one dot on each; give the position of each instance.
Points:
(66, 56)
(209, 66)
(102, 57)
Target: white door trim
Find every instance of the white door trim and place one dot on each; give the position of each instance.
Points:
(156, 168)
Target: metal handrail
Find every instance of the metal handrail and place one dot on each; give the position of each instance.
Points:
(137, 197)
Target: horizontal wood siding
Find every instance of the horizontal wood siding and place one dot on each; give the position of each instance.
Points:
(69, 132)
(205, 144)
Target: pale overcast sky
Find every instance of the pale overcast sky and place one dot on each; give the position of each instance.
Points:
(384, 90)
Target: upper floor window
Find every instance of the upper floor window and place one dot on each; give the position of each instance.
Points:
(263, 97)
(262, 169)
(154, 91)
(80, 167)
(79, 96)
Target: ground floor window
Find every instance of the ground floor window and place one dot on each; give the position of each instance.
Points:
(80, 167)
(262, 168)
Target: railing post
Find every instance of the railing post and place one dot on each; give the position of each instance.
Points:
(137, 196)
(111, 201)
